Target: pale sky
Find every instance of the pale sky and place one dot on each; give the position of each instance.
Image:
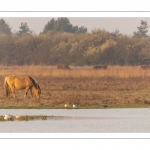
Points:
(124, 15)
(126, 25)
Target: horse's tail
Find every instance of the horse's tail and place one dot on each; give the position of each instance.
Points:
(6, 86)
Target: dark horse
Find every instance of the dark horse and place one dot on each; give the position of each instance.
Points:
(13, 82)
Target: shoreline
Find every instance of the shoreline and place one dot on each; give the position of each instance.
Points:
(79, 107)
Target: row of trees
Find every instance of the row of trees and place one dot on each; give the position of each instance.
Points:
(52, 47)
(60, 25)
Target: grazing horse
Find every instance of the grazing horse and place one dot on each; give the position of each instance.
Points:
(145, 67)
(100, 67)
(63, 66)
(13, 82)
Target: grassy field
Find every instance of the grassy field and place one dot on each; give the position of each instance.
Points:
(112, 88)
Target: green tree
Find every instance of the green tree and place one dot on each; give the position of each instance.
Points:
(116, 33)
(24, 29)
(4, 27)
(49, 26)
(82, 29)
(63, 25)
(142, 30)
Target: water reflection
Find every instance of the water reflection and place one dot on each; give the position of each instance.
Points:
(79, 121)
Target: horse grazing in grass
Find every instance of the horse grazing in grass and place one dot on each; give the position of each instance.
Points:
(13, 82)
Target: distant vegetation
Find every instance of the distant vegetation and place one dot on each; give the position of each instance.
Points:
(61, 42)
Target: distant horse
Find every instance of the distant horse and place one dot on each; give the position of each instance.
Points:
(13, 82)
(100, 67)
(145, 67)
(63, 66)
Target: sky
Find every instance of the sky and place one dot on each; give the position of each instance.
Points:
(124, 15)
(126, 25)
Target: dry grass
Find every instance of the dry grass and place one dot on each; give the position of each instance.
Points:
(76, 72)
(116, 86)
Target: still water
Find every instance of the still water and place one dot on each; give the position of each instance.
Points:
(125, 120)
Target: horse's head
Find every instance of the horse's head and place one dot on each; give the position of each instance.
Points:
(37, 91)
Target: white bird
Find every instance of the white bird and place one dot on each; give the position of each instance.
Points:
(74, 106)
(6, 117)
(17, 116)
(66, 105)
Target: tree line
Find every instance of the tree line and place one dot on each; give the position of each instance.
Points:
(73, 45)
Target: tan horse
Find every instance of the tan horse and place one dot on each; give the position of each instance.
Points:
(13, 82)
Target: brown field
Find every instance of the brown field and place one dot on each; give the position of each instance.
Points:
(114, 87)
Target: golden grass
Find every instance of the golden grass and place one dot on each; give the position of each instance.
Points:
(116, 86)
(76, 72)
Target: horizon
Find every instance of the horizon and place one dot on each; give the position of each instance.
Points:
(125, 25)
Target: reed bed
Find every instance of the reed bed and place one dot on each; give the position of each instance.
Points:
(76, 72)
(117, 86)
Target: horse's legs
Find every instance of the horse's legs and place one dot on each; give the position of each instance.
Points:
(26, 92)
(31, 92)
(13, 91)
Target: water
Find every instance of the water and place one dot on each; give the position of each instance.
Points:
(135, 120)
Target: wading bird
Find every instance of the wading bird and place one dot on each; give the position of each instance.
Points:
(74, 106)
(6, 117)
(66, 105)
(17, 116)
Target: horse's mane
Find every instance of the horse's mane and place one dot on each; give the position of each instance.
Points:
(36, 85)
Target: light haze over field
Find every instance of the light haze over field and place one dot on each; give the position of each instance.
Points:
(126, 25)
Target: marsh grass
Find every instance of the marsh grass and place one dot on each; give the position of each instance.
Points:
(122, 86)
(27, 118)
(76, 72)
(34, 117)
